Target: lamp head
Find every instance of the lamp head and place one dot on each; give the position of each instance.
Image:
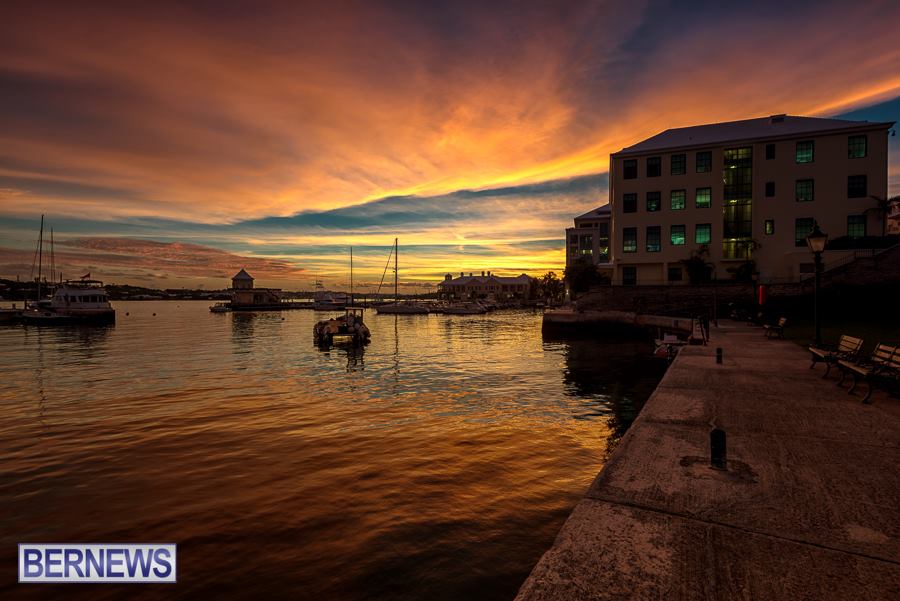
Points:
(816, 240)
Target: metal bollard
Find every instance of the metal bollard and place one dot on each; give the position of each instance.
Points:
(719, 355)
(718, 455)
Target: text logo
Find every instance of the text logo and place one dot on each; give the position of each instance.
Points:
(97, 563)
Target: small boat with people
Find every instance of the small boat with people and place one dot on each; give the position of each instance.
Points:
(348, 328)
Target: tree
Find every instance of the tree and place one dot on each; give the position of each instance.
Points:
(548, 287)
(883, 207)
(581, 274)
(698, 266)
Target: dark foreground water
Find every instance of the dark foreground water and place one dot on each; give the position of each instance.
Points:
(437, 463)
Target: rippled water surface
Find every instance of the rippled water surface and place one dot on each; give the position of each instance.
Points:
(436, 463)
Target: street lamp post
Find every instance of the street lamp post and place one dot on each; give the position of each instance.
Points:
(816, 242)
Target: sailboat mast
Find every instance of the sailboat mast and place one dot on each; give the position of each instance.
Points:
(396, 273)
(52, 259)
(40, 257)
(351, 276)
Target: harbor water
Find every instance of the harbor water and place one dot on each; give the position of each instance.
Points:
(438, 462)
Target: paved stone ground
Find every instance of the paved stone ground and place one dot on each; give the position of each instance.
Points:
(808, 509)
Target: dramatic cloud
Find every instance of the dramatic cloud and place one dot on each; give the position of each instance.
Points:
(294, 129)
(144, 261)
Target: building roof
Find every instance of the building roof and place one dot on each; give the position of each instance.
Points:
(483, 279)
(774, 126)
(598, 213)
(242, 275)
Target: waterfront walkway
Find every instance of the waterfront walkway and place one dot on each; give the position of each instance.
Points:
(809, 507)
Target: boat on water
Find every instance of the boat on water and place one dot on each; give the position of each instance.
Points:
(345, 329)
(220, 308)
(474, 308)
(668, 347)
(75, 302)
(403, 308)
(329, 301)
(399, 307)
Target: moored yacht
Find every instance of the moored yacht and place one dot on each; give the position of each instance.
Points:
(83, 301)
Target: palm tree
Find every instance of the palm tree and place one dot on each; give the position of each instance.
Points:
(883, 207)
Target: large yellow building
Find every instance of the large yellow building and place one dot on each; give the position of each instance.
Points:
(741, 190)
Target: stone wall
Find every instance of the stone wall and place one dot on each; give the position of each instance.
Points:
(688, 301)
(861, 279)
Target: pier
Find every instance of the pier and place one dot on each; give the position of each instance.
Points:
(806, 507)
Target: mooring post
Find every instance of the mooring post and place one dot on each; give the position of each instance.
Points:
(719, 355)
(718, 456)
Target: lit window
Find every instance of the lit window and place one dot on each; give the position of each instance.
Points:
(654, 242)
(629, 170)
(703, 233)
(857, 147)
(675, 274)
(586, 244)
(676, 200)
(653, 201)
(629, 239)
(856, 186)
(769, 227)
(703, 199)
(770, 152)
(676, 236)
(629, 203)
(805, 151)
(770, 189)
(679, 164)
(856, 226)
(654, 166)
(804, 190)
(802, 227)
(704, 161)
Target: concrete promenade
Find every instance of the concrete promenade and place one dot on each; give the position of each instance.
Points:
(809, 507)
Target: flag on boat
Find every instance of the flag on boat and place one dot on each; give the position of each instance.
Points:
(86, 276)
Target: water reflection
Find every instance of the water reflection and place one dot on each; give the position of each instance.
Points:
(614, 375)
(438, 461)
(355, 357)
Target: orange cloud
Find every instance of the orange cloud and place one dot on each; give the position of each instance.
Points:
(175, 112)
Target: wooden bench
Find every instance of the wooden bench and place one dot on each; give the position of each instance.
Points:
(883, 367)
(848, 349)
(776, 330)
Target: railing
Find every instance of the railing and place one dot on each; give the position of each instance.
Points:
(862, 253)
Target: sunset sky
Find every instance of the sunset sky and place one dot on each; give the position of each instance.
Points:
(170, 145)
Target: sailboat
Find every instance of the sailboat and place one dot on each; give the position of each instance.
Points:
(398, 307)
(74, 302)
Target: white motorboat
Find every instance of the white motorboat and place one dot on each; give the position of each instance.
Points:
(83, 301)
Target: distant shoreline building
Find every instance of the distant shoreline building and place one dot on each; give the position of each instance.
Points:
(243, 294)
(485, 286)
(737, 191)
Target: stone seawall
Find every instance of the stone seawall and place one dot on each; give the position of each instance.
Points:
(806, 509)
